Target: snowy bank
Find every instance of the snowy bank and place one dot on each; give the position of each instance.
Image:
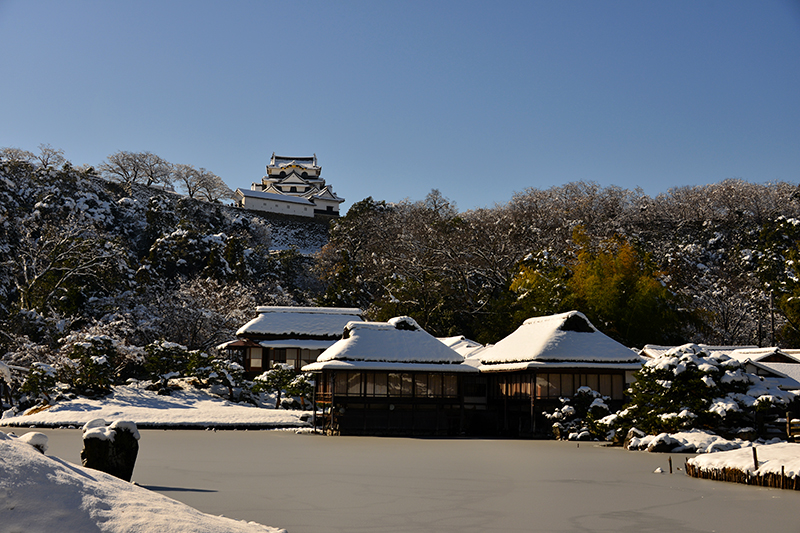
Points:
(187, 408)
(772, 465)
(41, 493)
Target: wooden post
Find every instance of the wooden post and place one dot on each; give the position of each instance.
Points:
(755, 459)
(532, 384)
(670, 464)
(314, 405)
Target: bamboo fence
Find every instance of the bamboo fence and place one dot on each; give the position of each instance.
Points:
(746, 477)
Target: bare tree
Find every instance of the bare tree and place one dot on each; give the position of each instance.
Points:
(16, 154)
(137, 167)
(201, 313)
(49, 156)
(212, 188)
(188, 178)
(155, 169)
(123, 167)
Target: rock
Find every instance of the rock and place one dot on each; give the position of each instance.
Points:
(111, 449)
(35, 439)
(663, 443)
(290, 403)
(633, 433)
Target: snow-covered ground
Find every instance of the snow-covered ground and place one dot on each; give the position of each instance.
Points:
(39, 493)
(341, 484)
(184, 408)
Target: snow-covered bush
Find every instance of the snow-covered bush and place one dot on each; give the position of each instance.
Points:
(229, 375)
(163, 358)
(686, 388)
(90, 364)
(577, 417)
(40, 382)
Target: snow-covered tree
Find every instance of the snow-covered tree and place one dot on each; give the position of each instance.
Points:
(577, 418)
(53, 262)
(277, 380)
(302, 386)
(687, 388)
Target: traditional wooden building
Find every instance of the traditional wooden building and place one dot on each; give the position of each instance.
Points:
(292, 186)
(548, 358)
(289, 335)
(391, 378)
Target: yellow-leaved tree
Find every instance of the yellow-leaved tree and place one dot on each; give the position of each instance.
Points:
(622, 293)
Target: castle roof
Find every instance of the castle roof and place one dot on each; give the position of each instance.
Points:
(274, 196)
(325, 194)
(278, 161)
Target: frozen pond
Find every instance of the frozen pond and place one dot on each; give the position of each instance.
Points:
(310, 483)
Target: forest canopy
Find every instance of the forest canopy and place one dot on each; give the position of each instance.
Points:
(85, 250)
(698, 264)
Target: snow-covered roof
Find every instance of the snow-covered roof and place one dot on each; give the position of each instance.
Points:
(757, 354)
(237, 343)
(274, 196)
(326, 194)
(299, 322)
(790, 370)
(655, 350)
(462, 345)
(399, 344)
(565, 340)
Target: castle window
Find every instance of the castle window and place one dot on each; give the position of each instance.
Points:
(293, 189)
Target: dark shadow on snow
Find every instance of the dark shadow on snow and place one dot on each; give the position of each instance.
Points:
(158, 488)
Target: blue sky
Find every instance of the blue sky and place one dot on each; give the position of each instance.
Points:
(477, 99)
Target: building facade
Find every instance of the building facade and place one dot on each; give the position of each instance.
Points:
(391, 378)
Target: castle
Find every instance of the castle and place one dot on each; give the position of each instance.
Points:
(292, 186)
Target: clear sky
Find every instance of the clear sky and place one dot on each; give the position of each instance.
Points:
(476, 99)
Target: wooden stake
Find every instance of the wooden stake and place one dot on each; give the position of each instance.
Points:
(755, 458)
(670, 464)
